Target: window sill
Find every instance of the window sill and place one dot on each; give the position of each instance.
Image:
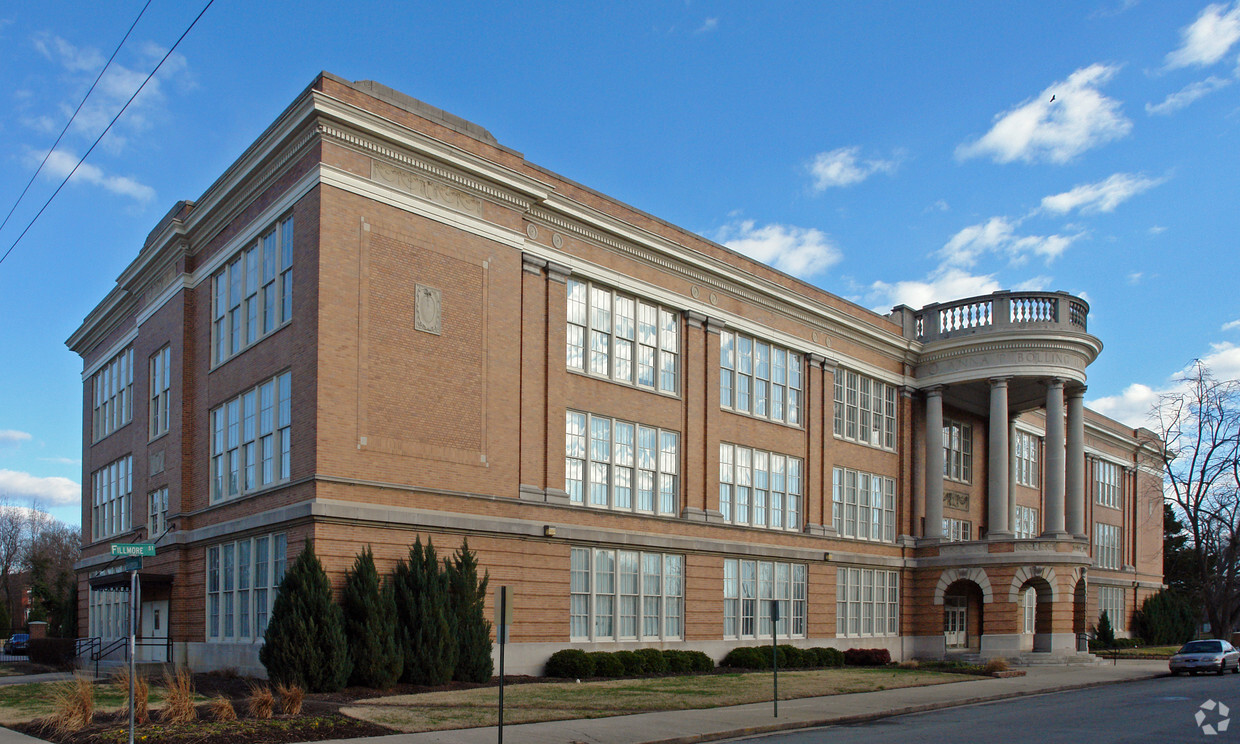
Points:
(622, 383)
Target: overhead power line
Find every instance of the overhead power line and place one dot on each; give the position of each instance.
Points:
(75, 113)
(107, 129)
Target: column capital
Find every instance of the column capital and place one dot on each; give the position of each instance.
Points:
(714, 325)
(907, 391)
(533, 264)
(1055, 382)
(934, 391)
(694, 319)
(999, 382)
(1075, 392)
(558, 272)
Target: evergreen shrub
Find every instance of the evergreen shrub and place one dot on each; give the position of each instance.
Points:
(305, 644)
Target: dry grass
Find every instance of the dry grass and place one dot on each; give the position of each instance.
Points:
(291, 698)
(997, 664)
(141, 693)
(73, 706)
(555, 701)
(222, 709)
(179, 699)
(260, 703)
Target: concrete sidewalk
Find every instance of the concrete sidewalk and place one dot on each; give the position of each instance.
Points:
(684, 726)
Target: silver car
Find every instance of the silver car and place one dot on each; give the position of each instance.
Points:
(1206, 656)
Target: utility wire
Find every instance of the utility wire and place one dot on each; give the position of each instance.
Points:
(75, 113)
(108, 129)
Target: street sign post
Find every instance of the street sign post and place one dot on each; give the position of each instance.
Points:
(133, 549)
(503, 619)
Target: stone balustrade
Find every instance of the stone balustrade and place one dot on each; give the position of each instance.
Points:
(1000, 312)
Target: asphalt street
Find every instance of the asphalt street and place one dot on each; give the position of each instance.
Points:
(1156, 710)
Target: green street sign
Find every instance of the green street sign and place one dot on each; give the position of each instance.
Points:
(133, 549)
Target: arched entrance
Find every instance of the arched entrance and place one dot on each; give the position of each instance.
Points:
(963, 617)
(1036, 597)
(1080, 622)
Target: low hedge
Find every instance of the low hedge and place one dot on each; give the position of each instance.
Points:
(572, 663)
(788, 657)
(569, 663)
(655, 660)
(867, 657)
(57, 652)
(606, 664)
(634, 665)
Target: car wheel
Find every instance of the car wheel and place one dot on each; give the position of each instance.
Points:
(1222, 669)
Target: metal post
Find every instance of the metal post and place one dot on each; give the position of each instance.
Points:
(133, 610)
(775, 652)
(503, 631)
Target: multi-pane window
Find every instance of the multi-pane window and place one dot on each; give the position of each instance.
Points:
(1106, 483)
(250, 439)
(750, 588)
(1026, 446)
(759, 379)
(1029, 608)
(157, 512)
(1106, 546)
(618, 595)
(622, 338)
(867, 602)
(758, 488)
(108, 610)
(958, 451)
(112, 398)
(1111, 601)
(613, 464)
(160, 391)
(111, 486)
(242, 579)
(957, 530)
(1028, 522)
(253, 293)
(864, 505)
(865, 410)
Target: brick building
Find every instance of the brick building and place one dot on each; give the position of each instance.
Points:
(381, 323)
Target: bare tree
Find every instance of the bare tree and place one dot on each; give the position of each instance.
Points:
(1200, 427)
(14, 530)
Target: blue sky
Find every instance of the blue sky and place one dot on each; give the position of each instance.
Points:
(888, 152)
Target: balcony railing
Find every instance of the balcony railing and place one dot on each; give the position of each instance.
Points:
(1001, 311)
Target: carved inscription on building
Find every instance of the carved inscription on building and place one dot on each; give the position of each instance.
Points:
(953, 500)
(427, 309)
(1004, 359)
(412, 183)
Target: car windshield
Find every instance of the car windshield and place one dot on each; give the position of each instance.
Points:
(1202, 647)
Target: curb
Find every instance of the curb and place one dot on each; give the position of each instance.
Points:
(865, 717)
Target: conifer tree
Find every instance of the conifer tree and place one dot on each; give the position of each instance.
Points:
(304, 643)
(424, 614)
(370, 625)
(473, 630)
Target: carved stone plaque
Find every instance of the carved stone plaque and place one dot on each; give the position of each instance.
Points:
(953, 500)
(413, 183)
(427, 309)
(156, 461)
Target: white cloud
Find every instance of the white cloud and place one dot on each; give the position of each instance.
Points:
(12, 437)
(710, 24)
(947, 283)
(54, 491)
(1186, 95)
(843, 167)
(1103, 196)
(1207, 39)
(1232, 326)
(1135, 277)
(1134, 404)
(61, 460)
(61, 163)
(939, 206)
(998, 235)
(1157, 230)
(1079, 119)
(802, 252)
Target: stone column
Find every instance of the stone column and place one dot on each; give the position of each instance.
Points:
(934, 463)
(1011, 525)
(1075, 469)
(1053, 519)
(997, 456)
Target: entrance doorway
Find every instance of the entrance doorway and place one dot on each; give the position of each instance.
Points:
(154, 631)
(956, 622)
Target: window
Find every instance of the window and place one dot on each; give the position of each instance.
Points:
(108, 610)
(157, 513)
(864, 505)
(250, 439)
(112, 398)
(759, 489)
(242, 580)
(613, 464)
(865, 410)
(958, 451)
(1029, 607)
(1028, 522)
(1106, 483)
(1106, 546)
(622, 338)
(625, 595)
(111, 486)
(867, 602)
(957, 530)
(1026, 459)
(161, 386)
(1111, 600)
(253, 293)
(759, 379)
(749, 588)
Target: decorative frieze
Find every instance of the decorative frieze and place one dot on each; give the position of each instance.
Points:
(412, 183)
